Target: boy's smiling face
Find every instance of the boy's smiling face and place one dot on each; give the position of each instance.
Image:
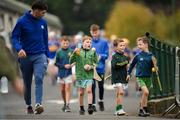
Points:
(121, 47)
(142, 45)
(87, 44)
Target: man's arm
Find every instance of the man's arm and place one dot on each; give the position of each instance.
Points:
(105, 54)
(46, 39)
(16, 33)
(132, 64)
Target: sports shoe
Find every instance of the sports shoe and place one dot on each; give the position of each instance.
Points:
(94, 108)
(30, 110)
(101, 106)
(147, 111)
(90, 109)
(120, 112)
(63, 108)
(142, 113)
(82, 112)
(67, 109)
(38, 109)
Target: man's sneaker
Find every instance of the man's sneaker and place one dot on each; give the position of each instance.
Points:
(101, 106)
(30, 110)
(142, 113)
(90, 110)
(94, 108)
(39, 109)
(67, 109)
(82, 112)
(63, 108)
(120, 112)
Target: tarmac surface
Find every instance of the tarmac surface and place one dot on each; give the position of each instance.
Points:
(13, 105)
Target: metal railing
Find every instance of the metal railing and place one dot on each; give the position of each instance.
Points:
(177, 88)
(166, 61)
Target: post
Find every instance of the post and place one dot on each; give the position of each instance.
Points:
(177, 74)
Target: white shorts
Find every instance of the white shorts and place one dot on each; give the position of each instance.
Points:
(65, 80)
(73, 69)
(124, 86)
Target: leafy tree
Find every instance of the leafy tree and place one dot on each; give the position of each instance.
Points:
(129, 20)
(79, 16)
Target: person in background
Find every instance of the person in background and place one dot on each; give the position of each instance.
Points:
(10, 70)
(53, 45)
(128, 53)
(64, 72)
(30, 39)
(102, 50)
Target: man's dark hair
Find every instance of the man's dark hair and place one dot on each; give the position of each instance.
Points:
(39, 4)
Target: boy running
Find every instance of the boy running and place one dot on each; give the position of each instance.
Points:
(144, 65)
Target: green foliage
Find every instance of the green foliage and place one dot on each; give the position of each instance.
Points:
(160, 28)
(79, 17)
(167, 28)
(131, 20)
(174, 28)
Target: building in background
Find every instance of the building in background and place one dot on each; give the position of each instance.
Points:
(11, 10)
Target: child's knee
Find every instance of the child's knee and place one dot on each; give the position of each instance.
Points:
(81, 93)
(146, 92)
(120, 93)
(89, 92)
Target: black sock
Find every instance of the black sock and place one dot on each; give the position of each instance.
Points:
(89, 105)
(82, 107)
(145, 108)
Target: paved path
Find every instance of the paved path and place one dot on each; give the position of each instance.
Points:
(14, 106)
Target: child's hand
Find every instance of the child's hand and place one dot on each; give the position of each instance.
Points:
(73, 64)
(128, 78)
(154, 69)
(67, 66)
(87, 67)
(77, 51)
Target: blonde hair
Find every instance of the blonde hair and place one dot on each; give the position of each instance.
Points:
(86, 38)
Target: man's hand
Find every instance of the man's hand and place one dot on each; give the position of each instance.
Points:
(21, 54)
